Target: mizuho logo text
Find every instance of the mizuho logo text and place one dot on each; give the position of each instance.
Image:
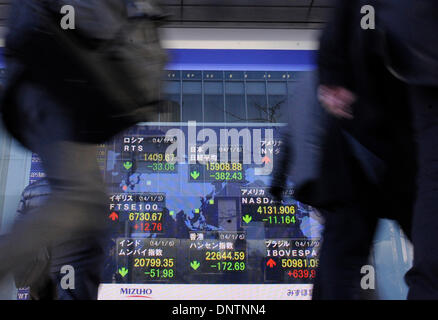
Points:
(136, 292)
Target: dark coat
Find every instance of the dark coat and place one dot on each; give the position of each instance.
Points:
(323, 161)
(358, 60)
(312, 151)
(406, 38)
(371, 156)
(410, 30)
(101, 79)
(41, 62)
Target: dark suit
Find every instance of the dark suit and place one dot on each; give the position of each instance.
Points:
(394, 72)
(362, 177)
(412, 56)
(353, 187)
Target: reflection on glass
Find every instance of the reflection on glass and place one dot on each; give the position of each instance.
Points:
(277, 98)
(204, 96)
(256, 97)
(192, 101)
(213, 102)
(170, 109)
(235, 109)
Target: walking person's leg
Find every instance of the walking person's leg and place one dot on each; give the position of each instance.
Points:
(85, 248)
(423, 276)
(347, 239)
(76, 207)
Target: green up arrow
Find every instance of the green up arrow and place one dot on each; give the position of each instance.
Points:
(127, 165)
(123, 272)
(195, 174)
(195, 265)
(247, 218)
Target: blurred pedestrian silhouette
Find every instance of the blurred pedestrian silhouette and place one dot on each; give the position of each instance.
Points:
(66, 91)
(392, 70)
(348, 182)
(362, 155)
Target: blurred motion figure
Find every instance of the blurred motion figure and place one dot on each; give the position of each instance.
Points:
(357, 161)
(66, 91)
(393, 68)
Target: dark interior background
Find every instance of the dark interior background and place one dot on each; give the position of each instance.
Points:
(299, 14)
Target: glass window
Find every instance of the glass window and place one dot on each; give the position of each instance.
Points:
(227, 96)
(192, 101)
(170, 108)
(291, 91)
(256, 99)
(214, 110)
(277, 98)
(235, 108)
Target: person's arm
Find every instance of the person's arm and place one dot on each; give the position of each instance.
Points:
(281, 167)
